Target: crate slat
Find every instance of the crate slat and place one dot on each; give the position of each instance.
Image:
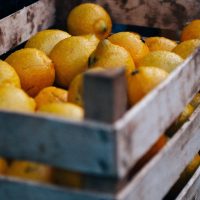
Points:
(81, 146)
(141, 127)
(127, 138)
(20, 26)
(146, 185)
(13, 189)
(159, 175)
(170, 14)
(192, 190)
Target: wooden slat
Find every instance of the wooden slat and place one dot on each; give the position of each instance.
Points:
(158, 176)
(141, 127)
(20, 26)
(78, 146)
(192, 189)
(13, 189)
(170, 14)
(105, 95)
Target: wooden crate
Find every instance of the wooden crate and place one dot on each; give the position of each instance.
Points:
(104, 149)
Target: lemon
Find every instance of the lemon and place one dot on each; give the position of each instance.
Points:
(36, 71)
(68, 178)
(30, 171)
(184, 116)
(76, 91)
(65, 110)
(70, 57)
(160, 44)
(136, 47)
(190, 169)
(191, 31)
(76, 88)
(15, 99)
(142, 81)
(8, 75)
(46, 40)
(165, 60)
(195, 101)
(108, 55)
(51, 95)
(3, 165)
(186, 48)
(89, 18)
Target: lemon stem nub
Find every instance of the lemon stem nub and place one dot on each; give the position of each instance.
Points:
(136, 71)
(91, 61)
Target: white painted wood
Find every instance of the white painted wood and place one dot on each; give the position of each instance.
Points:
(15, 189)
(78, 146)
(20, 26)
(192, 190)
(127, 140)
(141, 126)
(158, 176)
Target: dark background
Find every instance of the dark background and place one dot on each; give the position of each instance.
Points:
(7, 7)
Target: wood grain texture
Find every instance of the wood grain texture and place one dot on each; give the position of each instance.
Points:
(192, 190)
(157, 177)
(141, 127)
(20, 26)
(105, 95)
(168, 14)
(13, 189)
(77, 146)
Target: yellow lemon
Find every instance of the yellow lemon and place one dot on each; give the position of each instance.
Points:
(191, 31)
(70, 57)
(65, 110)
(46, 40)
(30, 171)
(36, 71)
(51, 95)
(89, 18)
(135, 46)
(165, 60)
(186, 48)
(68, 178)
(142, 81)
(8, 75)
(160, 44)
(183, 118)
(195, 101)
(3, 165)
(76, 88)
(108, 55)
(15, 99)
(190, 169)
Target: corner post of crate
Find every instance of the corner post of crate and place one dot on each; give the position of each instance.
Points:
(105, 95)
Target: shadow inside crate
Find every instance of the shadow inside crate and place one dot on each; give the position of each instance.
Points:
(10, 6)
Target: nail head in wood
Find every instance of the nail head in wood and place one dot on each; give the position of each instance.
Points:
(105, 95)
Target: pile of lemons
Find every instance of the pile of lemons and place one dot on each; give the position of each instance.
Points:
(46, 76)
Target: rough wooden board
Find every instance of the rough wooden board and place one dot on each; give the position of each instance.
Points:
(105, 95)
(157, 177)
(13, 189)
(20, 26)
(77, 146)
(192, 189)
(169, 14)
(145, 123)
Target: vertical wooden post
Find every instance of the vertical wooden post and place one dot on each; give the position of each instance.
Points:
(105, 95)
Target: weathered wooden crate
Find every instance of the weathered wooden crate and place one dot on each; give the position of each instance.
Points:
(98, 147)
